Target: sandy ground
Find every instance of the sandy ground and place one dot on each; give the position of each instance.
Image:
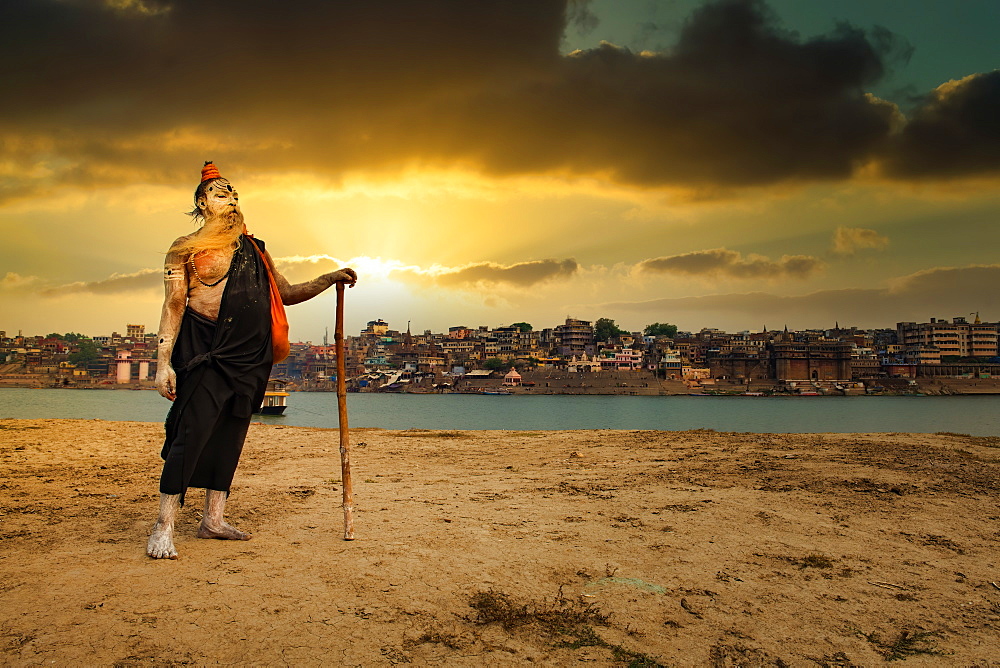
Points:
(507, 548)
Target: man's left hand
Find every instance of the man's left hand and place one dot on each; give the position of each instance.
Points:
(345, 275)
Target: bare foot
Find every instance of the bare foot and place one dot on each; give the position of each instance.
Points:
(222, 532)
(161, 542)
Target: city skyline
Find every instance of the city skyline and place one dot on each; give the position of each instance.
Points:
(326, 338)
(709, 164)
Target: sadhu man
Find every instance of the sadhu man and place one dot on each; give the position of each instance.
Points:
(221, 329)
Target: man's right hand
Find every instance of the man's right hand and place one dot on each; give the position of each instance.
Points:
(166, 382)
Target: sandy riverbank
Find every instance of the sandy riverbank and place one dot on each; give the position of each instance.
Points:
(686, 548)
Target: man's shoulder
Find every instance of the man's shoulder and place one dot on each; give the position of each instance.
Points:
(172, 255)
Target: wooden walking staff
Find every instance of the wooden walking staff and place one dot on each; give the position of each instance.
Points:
(345, 441)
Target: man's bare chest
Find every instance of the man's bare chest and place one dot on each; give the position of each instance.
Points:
(209, 268)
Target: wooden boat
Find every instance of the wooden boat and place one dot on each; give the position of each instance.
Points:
(274, 402)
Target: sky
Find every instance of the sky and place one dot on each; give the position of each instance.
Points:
(733, 164)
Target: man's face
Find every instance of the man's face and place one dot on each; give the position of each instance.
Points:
(221, 199)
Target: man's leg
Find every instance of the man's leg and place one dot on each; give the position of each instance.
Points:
(212, 524)
(161, 541)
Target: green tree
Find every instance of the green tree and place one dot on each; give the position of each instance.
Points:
(69, 337)
(495, 364)
(526, 363)
(523, 326)
(86, 352)
(660, 329)
(605, 329)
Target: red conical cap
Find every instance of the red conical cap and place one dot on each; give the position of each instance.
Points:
(210, 171)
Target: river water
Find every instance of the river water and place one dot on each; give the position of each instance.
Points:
(976, 415)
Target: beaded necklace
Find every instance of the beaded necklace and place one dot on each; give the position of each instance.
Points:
(209, 285)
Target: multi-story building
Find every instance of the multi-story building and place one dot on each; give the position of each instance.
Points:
(984, 339)
(865, 363)
(375, 328)
(528, 344)
(508, 341)
(547, 340)
(621, 358)
(741, 362)
(818, 359)
(575, 337)
(670, 364)
(490, 346)
(958, 338)
(458, 349)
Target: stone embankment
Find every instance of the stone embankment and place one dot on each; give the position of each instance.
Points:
(961, 386)
(642, 383)
(636, 383)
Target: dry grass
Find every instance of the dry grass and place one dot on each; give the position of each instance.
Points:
(561, 615)
(906, 644)
(569, 622)
(815, 561)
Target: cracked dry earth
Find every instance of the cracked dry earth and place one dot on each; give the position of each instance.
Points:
(696, 549)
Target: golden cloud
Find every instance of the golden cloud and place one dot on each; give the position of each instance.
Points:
(477, 274)
(941, 292)
(847, 240)
(520, 274)
(727, 263)
(13, 281)
(142, 280)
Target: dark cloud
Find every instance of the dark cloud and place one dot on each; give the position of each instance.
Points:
(942, 292)
(97, 92)
(737, 102)
(955, 132)
(521, 274)
(142, 280)
(732, 264)
(579, 16)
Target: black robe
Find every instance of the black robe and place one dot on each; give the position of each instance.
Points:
(222, 370)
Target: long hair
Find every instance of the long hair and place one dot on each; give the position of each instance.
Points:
(199, 192)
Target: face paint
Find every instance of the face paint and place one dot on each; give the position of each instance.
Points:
(221, 199)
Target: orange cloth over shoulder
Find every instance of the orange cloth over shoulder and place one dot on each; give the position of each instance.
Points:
(279, 321)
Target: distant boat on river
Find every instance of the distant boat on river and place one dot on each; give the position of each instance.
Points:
(275, 399)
